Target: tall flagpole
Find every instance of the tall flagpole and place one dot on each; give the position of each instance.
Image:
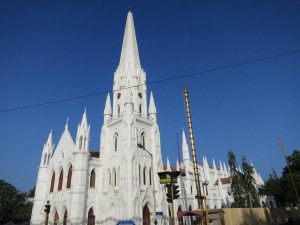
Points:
(288, 166)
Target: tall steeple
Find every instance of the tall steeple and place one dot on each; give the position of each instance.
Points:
(152, 108)
(185, 147)
(129, 78)
(129, 54)
(107, 110)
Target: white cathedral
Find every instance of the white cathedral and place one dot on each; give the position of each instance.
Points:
(120, 182)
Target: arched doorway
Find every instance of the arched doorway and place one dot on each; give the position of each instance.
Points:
(180, 220)
(56, 218)
(91, 217)
(146, 216)
(65, 218)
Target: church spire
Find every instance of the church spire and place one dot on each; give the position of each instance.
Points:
(152, 108)
(185, 148)
(83, 134)
(129, 54)
(47, 151)
(84, 119)
(49, 141)
(107, 109)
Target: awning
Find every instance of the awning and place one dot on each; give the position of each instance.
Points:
(181, 214)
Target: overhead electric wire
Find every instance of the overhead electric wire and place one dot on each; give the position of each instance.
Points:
(154, 82)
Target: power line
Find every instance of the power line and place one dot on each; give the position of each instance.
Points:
(154, 82)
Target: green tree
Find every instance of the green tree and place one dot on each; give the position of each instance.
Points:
(237, 182)
(294, 164)
(251, 192)
(282, 187)
(274, 187)
(13, 204)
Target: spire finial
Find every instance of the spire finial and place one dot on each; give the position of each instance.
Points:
(67, 124)
(84, 118)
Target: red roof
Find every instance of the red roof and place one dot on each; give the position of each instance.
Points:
(225, 180)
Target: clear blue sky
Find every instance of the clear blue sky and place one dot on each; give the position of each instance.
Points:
(51, 50)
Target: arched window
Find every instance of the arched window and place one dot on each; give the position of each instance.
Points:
(114, 177)
(116, 142)
(93, 178)
(150, 176)
(140, 179)
(65, 218)
(140, 108)
(91, 217)
(52, 182)
(144, 174)
(56, 218)
(119, 110)
(45, 159)
(61, 175)
(143, 139)
(80, 142)
(69, 177)
(191, 189)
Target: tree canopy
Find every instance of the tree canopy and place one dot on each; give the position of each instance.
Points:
(243, 187)
(282, 187)
(14, 205)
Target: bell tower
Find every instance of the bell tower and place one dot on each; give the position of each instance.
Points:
(129, 172)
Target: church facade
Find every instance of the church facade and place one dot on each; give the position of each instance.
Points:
(120, 182)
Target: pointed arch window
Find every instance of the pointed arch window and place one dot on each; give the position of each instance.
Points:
(140, 108)
(69, 179)
(60, 181)
(114, 178)
(140, 174)
(119, 110)
(143, 140)
(52, 182)
(150, 176)
(80, 142)
(93, 179)
(116, 142)
(91, 217)
(65, 218)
